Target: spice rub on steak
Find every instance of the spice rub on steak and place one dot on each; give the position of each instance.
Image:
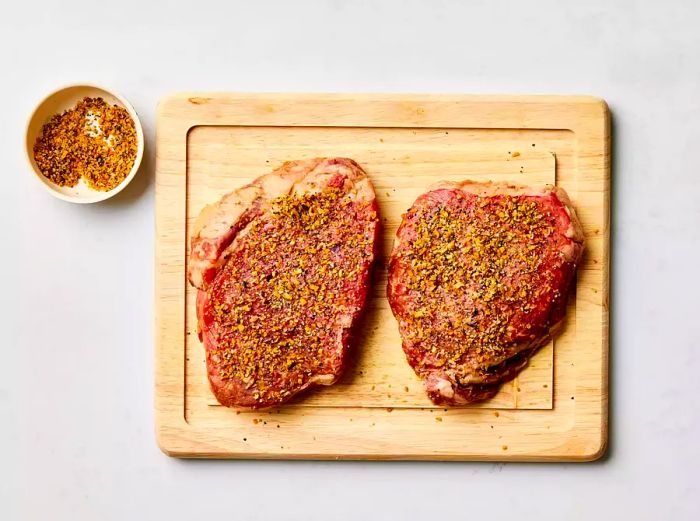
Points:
(282, 266)
(478, 281)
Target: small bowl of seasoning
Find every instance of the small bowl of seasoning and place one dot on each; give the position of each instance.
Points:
(84, 143)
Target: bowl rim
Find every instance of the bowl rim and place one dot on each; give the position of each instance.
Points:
(99, 196)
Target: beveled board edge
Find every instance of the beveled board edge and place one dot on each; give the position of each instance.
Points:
(588, 117)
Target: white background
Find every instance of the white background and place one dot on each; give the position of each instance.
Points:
(76, 371)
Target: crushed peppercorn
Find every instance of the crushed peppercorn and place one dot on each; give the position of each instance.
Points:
(94, 141)
(472, 272)
(281, 298)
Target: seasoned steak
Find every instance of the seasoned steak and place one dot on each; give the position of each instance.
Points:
(282, 267)
(478, 281)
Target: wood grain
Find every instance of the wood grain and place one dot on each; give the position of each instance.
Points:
(210, 144)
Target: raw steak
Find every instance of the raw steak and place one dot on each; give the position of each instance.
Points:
(478, 281)
(282, 266)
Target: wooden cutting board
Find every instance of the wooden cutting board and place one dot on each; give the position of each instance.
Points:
(209, 144)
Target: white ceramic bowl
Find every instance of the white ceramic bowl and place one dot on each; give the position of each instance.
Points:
(64, 99)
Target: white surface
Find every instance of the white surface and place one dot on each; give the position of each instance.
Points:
(76, 373)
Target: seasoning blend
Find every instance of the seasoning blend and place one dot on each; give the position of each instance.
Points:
(93, 141)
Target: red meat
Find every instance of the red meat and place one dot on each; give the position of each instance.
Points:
(282, 266)
(478, 281)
